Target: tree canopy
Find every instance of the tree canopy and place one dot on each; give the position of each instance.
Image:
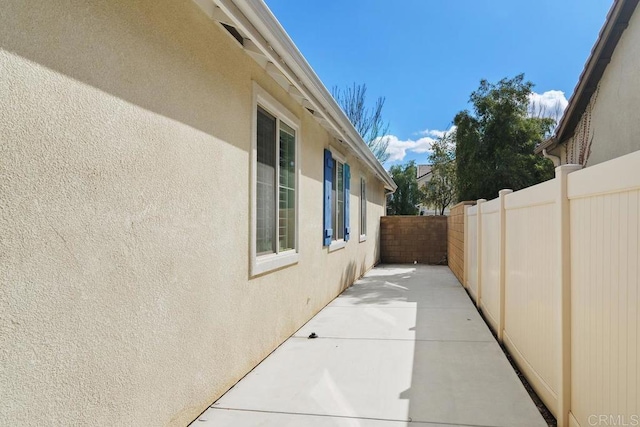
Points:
(367, 121)
(406, 198)
(495, 142)
(440, 190)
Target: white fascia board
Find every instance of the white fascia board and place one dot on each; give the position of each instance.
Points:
(257, 22)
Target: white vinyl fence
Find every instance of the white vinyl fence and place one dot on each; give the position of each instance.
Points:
(555, 270)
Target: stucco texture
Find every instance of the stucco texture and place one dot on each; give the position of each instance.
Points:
(613, 123)
(125, 296)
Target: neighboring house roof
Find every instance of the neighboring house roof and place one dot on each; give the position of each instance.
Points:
(615, 24)
(253, 25)
(424, 174)
(423, 170)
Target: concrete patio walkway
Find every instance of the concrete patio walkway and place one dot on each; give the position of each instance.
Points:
(403, 346)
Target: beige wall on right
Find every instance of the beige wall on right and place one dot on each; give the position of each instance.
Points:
(610, 124)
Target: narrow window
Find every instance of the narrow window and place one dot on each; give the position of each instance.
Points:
(363, 208)
(338, 201)
(337, 178)
(275, 209)
(265, 185)
(276, 158)
(287, 210)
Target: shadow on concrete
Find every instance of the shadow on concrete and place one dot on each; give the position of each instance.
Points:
(403, 346)
(459, 374)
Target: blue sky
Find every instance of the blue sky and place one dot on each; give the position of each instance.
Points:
(427, 56)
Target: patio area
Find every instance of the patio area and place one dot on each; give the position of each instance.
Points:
(404, 345)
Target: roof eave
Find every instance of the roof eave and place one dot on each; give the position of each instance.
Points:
(266, 33)
(547, 144)
(615, 24)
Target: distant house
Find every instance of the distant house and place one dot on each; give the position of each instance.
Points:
(424, 176)
(601, 121)
(179, 194)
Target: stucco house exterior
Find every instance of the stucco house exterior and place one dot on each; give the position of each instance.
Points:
(601, 121)
(179, 193)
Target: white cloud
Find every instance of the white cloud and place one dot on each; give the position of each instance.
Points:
(398, 148)
(548, 104)
(432, 133)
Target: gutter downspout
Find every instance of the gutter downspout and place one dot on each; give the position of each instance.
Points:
(554, 159)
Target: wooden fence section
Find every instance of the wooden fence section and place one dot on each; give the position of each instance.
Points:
(455, 239)
(555, 268)
(405, 239)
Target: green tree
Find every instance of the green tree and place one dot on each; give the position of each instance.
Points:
(367, 121)
(494, 144)
(406, 198)
(440, 190)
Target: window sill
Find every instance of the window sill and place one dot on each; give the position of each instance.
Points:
(266, 263)
(363, 238)
(336, 245)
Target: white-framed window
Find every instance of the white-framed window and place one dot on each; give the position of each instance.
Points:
(363, 209)
(275, 177)
(337, 180)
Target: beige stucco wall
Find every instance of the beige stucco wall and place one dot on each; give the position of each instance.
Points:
(125, 298)
(613, 123)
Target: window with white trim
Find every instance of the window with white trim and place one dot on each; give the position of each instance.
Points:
(275, 165)
(363, 209)
(337, 174)
(337, 198)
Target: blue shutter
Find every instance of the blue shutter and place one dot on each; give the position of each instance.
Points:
(347, 186)
(328, 178)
